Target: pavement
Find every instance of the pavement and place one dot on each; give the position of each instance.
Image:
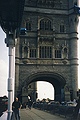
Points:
(35, 114)
(4, 116)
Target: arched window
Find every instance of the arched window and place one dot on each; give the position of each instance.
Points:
(45, 52)
(25, 52)
(57, 53)
(42, 25)
(45, 24)
(46, 3)
(65, 52)
(62, 28)
(28, 25)
(39, 2)
(32, 53)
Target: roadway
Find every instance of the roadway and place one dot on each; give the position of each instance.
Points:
(35, 114)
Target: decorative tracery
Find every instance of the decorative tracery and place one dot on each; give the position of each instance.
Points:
(46, 3)
(45, 24)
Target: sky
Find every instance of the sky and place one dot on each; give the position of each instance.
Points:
(3, 64)
(4, 71)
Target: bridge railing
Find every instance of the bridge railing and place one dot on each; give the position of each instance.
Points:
(56, 108)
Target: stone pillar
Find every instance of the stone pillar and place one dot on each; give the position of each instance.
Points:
(17, 67)
(53, 52)
(57, 94)
(62, 94)
(38, 48)
(24, 94)
(22, 51)
(74, 54)
(28, 50)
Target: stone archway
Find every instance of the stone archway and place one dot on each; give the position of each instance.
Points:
(55, 79)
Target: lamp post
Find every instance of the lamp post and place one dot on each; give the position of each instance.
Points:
(11, 12)
(10, 42)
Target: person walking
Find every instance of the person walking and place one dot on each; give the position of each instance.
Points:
(78, 109)
(29, 104)
(16, 105)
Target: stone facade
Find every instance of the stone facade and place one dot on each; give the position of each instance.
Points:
(48, 51)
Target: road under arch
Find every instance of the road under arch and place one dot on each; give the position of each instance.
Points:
(55, 79)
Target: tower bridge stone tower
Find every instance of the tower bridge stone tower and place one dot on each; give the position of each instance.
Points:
(48, 51)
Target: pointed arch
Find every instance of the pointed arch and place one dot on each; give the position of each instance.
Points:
(45, 24)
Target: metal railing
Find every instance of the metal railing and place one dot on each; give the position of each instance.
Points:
(66, 111)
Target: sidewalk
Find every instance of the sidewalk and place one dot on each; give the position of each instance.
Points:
(4, 116)
(34, 114)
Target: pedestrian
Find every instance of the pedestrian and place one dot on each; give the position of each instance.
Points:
(29, 104)
(78, 109)
(76, 114)
(16, 105)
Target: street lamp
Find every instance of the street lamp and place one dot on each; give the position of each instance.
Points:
(11, 12)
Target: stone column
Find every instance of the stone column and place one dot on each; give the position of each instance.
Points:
(25, 94)
(74, 54)
(28, 50)
(17, 67)
(22, 51)
(38, 48)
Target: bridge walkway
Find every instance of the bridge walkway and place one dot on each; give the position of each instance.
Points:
(35, 114)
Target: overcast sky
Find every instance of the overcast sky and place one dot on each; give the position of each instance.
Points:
(3, 64)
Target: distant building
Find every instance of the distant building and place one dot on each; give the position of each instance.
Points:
(48, 51)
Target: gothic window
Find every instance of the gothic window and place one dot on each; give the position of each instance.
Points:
(28, 25)
(42, 25)
(65, 53)
(58, 53)
(31, 2)
(46, 3)
(45, 24)
(62, 28)
(45, 52)
(43, 2)
(39, 2)
(29, 86)
(52, 3)
(32, 53)
(75, 3)
(25, 52)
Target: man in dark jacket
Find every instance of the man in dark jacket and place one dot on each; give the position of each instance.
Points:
(29, 104)
(16, 105)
